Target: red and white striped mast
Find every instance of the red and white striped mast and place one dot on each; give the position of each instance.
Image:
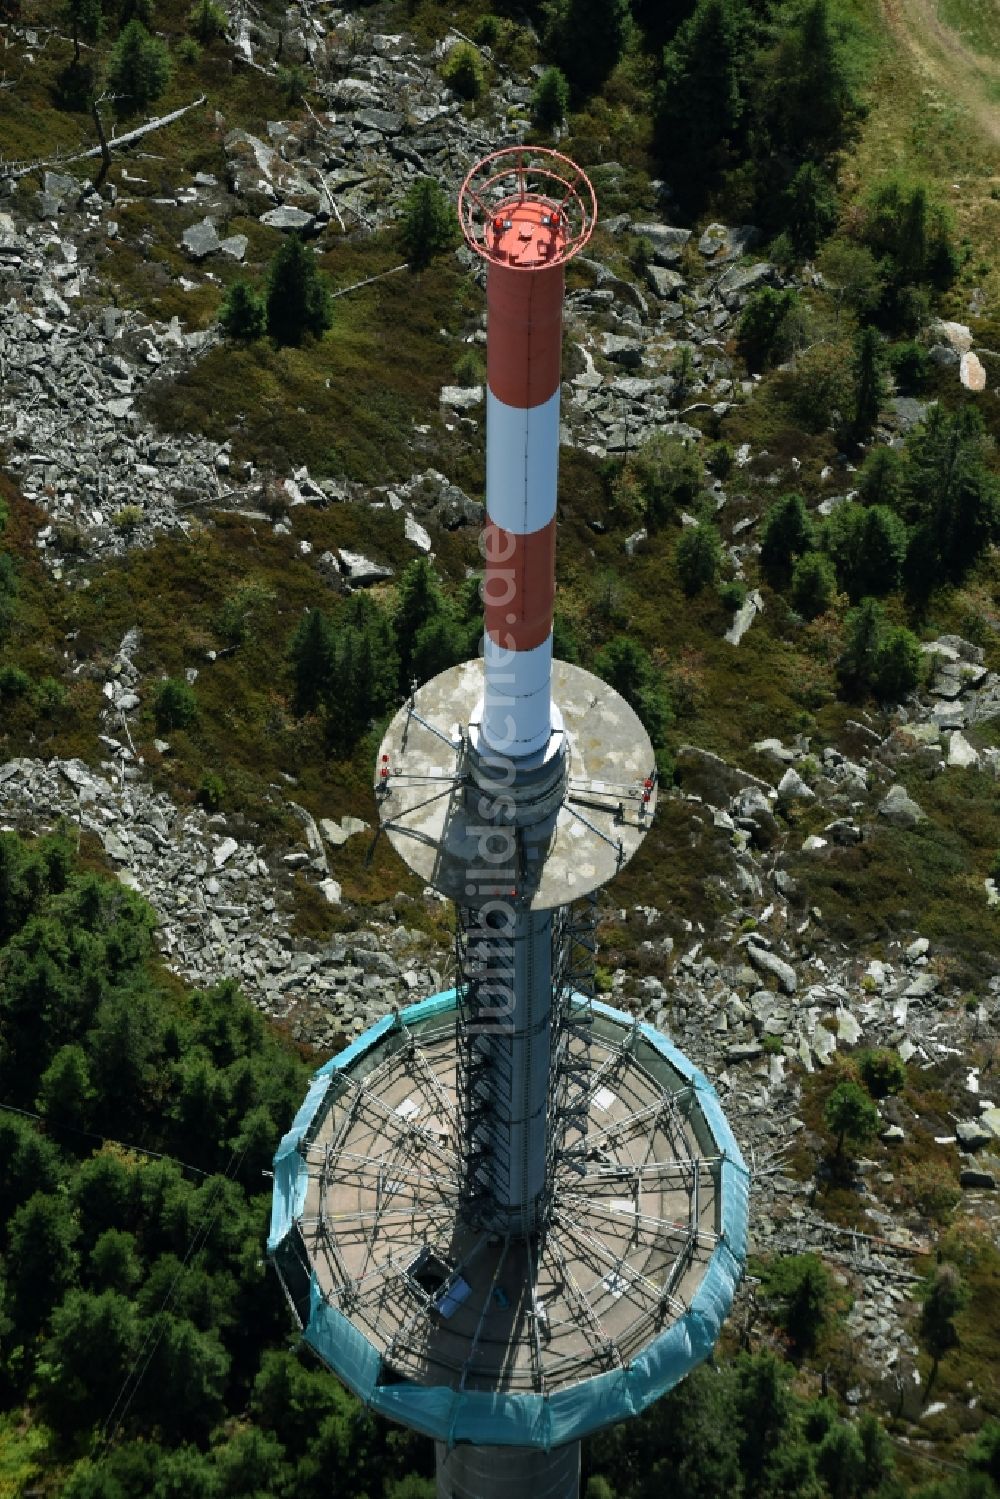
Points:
(526, 212)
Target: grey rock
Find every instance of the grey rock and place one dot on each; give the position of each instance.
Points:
(620, 350)
(385, 121)
(59, 185)
(289, 219)
(748, 1051)
(720, 243)
(665, 283)
(922, 987)
(201, 239)
(114, 847)
(738, 281)
(972, 1176)
(961, 752)
(223, 852)
(414, 532)
(666, 240)
(793, 788)
(844, 832)
(461, 397)
(972, 1135)
(769, 962)
(235, 246)
(908, 411)
(360, 570)
(899, 808)
(774, 749)
(744, 617)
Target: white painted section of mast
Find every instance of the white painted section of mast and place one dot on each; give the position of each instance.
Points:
(517, 705)
(522, 463)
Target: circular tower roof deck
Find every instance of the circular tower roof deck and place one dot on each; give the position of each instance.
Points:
(527, 208)
(468, 1334)
(598, 825)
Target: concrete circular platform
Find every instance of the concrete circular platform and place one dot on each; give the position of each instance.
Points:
(434, 818)
(472, 1335)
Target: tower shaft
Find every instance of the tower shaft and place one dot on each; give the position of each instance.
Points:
(505, 1036)
(523, 354)
(468, 1472)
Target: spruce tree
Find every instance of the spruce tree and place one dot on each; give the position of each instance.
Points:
(418, 600)
(850, 1116)
(700, 99)
(312, 654)
(869, 382)
(950, 496)
(297, 300)
(629, 669)
(699, 552)
(945, 1295)
(864, 629)
(242, 313)
(429, 224)
(85, 22)
(810, 209)
(813, 584)
(896, 669)
(588, 39)
(550, 101)
(139, 69)
(788, 532)
(811, 97)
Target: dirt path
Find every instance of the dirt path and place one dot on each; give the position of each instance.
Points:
(948, 62)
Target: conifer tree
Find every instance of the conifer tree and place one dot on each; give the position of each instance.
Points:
(65, 1093)
(297, 300)
(550, 101)
(699, 552)
(811, 97)
(418, 600)
(950, 496)
(312, 654)
(813, 584)
(945, 1295)
(700, 98)
(588, 39)
(630, 671)
(242, 314)
(139, 69)
(429, 225)
(810, 209)
(788, 532)
(869, 382)
(85, 22)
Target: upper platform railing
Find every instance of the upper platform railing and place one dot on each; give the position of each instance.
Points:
(527, 208)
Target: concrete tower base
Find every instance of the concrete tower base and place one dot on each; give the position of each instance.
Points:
(468, 1472)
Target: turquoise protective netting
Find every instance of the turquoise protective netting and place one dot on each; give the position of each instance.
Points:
(519, 1419)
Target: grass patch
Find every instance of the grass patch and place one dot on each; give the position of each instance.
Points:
(347, 404)
(927, 879)
(976, 21)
